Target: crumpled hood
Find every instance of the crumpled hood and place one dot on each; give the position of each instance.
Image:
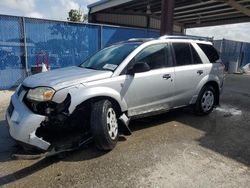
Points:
(61, 78)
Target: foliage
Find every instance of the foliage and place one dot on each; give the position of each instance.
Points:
(77, 16)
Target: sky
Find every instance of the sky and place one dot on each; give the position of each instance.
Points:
(238, 32)
(58, 10)
(51, 9)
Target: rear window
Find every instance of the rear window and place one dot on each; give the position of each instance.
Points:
(210, 52)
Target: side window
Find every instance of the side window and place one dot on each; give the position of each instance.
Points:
(196, 57)
(183, 54)
(155, 56)
(210, 52)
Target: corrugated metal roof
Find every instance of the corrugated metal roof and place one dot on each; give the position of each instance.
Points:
(188, 13)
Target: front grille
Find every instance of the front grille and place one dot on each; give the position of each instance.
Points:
(10, 109)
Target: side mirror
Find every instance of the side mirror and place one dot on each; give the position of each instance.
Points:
(139, 67)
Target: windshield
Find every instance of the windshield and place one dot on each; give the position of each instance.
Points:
(110, 58)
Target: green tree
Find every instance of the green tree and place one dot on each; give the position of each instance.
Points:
(85, 18)
(75, 15)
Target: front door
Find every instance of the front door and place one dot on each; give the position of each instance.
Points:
(152, 90)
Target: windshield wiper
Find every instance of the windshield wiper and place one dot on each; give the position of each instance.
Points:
(89, 68)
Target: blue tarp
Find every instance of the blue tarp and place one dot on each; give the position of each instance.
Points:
(63, 44)
(233, 51)
(67, 44)
(245, 54)
(60, 44)
(11, 52)
(111, 35)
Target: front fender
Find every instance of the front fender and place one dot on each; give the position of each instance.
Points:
(81, 94)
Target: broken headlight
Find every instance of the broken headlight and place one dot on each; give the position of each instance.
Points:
(41, 94)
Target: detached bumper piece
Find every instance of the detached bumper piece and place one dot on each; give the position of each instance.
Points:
(55, 151)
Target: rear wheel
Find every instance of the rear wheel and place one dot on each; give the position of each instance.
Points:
(104, 125)
(206, 101)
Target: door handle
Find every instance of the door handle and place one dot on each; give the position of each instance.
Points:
(166, 76)
(200, 72)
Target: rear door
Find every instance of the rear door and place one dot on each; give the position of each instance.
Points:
(214, 65)
(189, 71)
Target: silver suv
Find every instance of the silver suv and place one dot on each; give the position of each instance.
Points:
(127, 80)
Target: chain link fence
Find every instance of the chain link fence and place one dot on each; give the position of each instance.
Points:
(12, 63)
(26, 42)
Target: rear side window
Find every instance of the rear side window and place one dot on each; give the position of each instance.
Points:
(210, 52)
(196, 57)
(183, 54)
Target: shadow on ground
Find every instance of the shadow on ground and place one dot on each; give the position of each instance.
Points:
(87, 154)
(7, 145)
(226, 139)
(225, 133)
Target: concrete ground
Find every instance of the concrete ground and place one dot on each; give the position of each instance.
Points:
(4, 99)
(176, 149)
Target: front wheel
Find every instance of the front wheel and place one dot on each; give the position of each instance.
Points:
(206, 101)
(104, 125)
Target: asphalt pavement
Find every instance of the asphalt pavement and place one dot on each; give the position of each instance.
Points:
(175, 149)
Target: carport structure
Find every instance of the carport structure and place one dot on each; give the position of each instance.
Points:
(169, 15)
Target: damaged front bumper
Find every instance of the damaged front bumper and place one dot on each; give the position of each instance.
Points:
(23, 124)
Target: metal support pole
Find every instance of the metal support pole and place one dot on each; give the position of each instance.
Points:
(167, 17)
(25, 48)
(148, 22)
(148, 25)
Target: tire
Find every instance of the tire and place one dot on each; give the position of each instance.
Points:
(206, 101)
(104, 125)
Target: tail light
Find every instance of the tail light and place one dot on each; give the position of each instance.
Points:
(222, 68)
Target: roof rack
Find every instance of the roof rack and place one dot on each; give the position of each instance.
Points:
(140, 39)
(186, 37)
(133, 40)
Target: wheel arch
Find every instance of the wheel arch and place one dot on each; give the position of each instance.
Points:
(113, 101)
(95, 94)
(207, 80)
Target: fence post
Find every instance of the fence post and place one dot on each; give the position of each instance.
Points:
(100, 37)
(25, 48)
